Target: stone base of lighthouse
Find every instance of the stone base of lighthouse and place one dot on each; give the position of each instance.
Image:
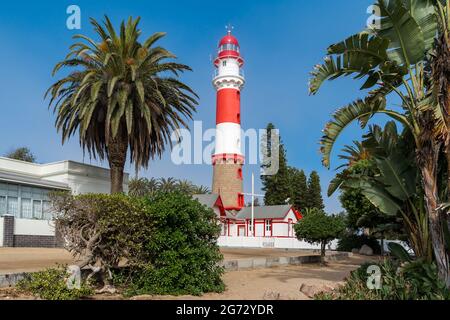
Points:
(228, 182)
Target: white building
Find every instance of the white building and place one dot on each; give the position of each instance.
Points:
(25, 219)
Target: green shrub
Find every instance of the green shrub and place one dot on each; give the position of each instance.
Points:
(50, 284)
(347, 242)
(416, 280)
(318, 227)
(102, 229)
(181, 255)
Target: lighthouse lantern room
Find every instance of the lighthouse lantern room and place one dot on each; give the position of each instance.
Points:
(228, 158)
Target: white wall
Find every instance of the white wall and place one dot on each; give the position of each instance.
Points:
(34, 227)
(264, 242)
(1, 232)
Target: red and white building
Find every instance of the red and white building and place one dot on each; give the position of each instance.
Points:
(268, 222)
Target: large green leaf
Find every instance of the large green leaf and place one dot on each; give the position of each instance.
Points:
(424, 13)
(360, 110)
(406, 38)
(398, 175)
(357, 54)
(399, 252)
(376, 193)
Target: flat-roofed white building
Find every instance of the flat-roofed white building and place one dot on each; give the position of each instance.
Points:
(25, 218)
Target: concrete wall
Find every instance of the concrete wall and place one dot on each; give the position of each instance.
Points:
(1, 232)
(264, 242)
(27, 233)
(34, 227)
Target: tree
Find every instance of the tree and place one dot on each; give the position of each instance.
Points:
(123, 94)
(318, 227)
(314, 194)
(276, 187)
(393, 59)
(22, 154)
(299, 188)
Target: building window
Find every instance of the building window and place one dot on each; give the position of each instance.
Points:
(224, 228)
(24, 202)
(13, 206)
(268, 225)
(27, 210)
(240, 173)
(2, 205)
(224, 63)
(37, 209)
(47, 213)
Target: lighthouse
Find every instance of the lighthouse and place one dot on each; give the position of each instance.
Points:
(228, 159)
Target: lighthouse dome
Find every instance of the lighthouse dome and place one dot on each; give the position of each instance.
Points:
(229, 45)
(229, 48)
(229, 39)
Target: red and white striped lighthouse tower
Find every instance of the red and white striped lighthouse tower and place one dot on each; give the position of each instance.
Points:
(228, 158)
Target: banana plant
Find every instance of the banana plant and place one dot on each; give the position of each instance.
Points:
(391, 184)
(392, 59)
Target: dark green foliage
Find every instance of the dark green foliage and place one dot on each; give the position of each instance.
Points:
(314, 194)
(22, 154)
(50, 284)
(299, 188)
(347, 242)
(181, 255)
(357, 206)
(318, 227)
(277, 186)
(417, 280)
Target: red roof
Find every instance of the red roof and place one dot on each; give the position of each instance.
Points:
(228, 39)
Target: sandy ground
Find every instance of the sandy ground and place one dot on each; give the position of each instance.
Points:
(259, 284)
(15, 260)
(279, 282)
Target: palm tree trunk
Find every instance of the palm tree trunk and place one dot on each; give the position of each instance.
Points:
(435, 217)
(117, 155)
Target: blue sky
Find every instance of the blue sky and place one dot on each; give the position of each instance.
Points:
(280, 40)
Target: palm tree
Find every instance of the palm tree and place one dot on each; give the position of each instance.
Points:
(200, 190)
(142, 187)
(392, 58)
(123, 94)
(167, 185)
(184, 186)
(354, 154)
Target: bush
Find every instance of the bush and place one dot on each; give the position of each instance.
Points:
(347, 242)
(416, 280)
(318, 227)
(181, 255)
(101, 229)
(50, 284)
